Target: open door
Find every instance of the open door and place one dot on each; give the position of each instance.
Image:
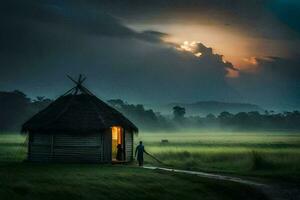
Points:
(117, 143)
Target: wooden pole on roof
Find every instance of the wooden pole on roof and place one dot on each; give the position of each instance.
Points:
(79, 85)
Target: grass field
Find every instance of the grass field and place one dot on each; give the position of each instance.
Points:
(85, 182)
(273, 155)
(268, 155)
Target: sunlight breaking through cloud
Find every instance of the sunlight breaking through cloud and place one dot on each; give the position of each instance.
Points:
(195, 48)
(189, 46)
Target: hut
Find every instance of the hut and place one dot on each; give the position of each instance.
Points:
(79, 127)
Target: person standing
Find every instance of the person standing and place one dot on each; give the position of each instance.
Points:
(119, 152)
(139, 151)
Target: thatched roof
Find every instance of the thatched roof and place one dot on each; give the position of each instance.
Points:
(77, 113)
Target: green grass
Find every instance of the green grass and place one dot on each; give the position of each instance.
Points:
(54, 181)
(33, 181)
(272, 155)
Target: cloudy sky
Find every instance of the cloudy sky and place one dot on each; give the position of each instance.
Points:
(155, 51)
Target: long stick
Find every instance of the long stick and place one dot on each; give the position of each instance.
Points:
(154, 158)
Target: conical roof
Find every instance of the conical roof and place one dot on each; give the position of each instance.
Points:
(78, 111)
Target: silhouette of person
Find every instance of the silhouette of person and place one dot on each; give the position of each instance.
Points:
(119, 152)
(140, 150)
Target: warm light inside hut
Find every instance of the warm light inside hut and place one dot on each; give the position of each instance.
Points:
(116, 134)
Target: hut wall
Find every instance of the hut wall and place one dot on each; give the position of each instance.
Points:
(75, 148)
(67, 148)
(107, 150)
(78, 148)
(128, 145)
(39, 147)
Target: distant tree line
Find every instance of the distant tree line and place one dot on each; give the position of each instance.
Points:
(256, 120)
(16, 108)
(145, 119)
(247, 121)
(150, 120)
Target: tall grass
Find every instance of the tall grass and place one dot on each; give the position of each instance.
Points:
(13, 147)
(244, 153)
(33, 181)
(273, 154)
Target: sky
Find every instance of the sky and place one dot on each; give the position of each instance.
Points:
(155, 52)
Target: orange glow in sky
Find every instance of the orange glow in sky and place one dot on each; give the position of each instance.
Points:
(189, 46)
(236, 47)
(232, 73)
(192, 47)
(233, 46)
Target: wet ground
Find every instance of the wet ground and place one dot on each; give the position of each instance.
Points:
(274, 191)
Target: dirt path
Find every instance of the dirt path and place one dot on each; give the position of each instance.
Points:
(274, 192)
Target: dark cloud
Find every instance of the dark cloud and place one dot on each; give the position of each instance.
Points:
(276, 82)
(41, 41)
(286, 69)
(271, 19)
(44, 23)
(207, 52)
(128, 69)
(44, 41)
(152, 36)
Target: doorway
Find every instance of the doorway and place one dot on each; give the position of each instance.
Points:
(117, 143)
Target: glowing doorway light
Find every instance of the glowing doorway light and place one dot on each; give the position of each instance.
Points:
(116, 134)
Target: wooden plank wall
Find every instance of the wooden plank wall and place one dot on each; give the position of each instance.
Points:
(67, 148)
(128, 145)
(40, 147)
(107, 149)
(72, 148)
